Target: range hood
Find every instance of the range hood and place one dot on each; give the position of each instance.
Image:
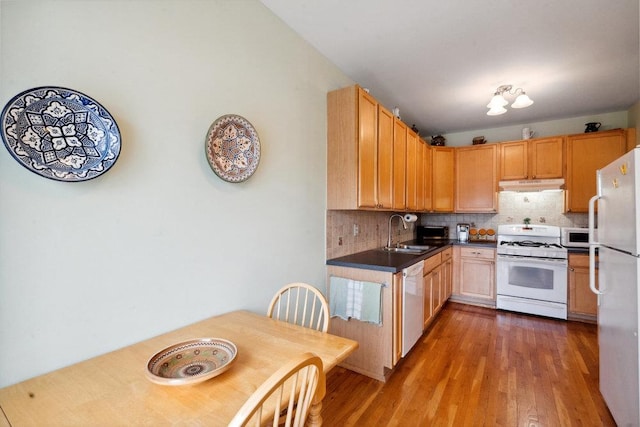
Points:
(532, 185)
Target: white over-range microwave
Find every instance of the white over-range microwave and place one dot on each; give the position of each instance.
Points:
(576, 237)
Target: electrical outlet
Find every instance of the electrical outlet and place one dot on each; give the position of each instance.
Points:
(356, 230)
(339, 241)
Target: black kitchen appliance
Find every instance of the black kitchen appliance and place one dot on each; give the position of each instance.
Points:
(432, 232)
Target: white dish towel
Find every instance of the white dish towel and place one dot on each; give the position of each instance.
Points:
(355, 299)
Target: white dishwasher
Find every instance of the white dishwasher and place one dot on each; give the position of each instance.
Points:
(412, 305)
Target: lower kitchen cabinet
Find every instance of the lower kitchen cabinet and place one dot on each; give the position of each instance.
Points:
(583, 304)
(380, 347)
(474, 279)
(437, 283)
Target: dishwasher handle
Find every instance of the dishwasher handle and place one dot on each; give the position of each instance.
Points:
(413, 269)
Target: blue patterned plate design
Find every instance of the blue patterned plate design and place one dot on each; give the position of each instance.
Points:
(191, 361)
(232, 147)
(60, 134)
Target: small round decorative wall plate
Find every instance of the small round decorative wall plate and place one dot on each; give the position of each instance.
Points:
(191, 361)
(232, 147)
(60, 134)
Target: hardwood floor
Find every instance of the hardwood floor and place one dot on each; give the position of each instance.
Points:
(480, 367)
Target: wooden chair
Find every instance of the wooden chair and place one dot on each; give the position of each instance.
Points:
(293, 393)
(301, 304)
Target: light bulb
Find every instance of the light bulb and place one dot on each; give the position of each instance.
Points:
(522, 101)
(497, 101)
(496, 111)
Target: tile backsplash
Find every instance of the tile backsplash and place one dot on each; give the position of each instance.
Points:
(372, 227)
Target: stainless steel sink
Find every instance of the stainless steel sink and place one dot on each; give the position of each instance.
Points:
(420, 247)
(407, 249)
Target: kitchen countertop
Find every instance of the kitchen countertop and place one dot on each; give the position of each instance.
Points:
(380, 260)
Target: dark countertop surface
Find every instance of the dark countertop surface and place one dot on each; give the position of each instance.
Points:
(377, 259)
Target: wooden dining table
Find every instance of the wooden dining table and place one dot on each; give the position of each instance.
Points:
(113, 390)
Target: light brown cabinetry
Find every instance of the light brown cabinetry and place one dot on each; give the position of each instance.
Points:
(447, 273)
(476, 178)
(399, 164)
(380, 347)
(474, 278)
(586, 153)
(583, 303)
(437, 283)
(367, 155)
(443, 175)
(415, 172)
(384, 174)
(428, 178)
(540, 158)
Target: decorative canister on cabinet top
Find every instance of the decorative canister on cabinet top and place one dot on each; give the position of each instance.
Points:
(438, 140)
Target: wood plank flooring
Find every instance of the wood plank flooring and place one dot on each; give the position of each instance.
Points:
(480, 367)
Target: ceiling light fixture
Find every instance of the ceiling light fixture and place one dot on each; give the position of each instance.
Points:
(498, 102)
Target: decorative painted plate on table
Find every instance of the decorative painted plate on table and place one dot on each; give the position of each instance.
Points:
(191, 362)
(232, 147)
(60, 134)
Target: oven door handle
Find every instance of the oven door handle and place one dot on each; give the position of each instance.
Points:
(531, 260)
(592, 247)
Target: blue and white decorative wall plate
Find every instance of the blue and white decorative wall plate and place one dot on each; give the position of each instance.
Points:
(232, 147)
(60, 134)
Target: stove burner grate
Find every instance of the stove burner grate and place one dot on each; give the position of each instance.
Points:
(530, 244)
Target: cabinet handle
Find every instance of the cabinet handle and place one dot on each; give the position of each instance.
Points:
(571, 269)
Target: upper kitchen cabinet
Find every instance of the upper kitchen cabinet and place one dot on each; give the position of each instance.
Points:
(399, 164)
(356, 178)
(476, 178)
(428, 178)
(442, 177)
(415, 172)
(540, 158)
(586, 153)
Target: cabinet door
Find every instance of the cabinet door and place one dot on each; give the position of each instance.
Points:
(587, 153)
(437, 291)
(428, 298)
(399, 163)
(476, 278)
(581, 299)
(447, 278)
(428, 200)
(477, 273)
(396, 347)
(367, 150)
(415, 172)
(546, 158)
(385, 158)
(412, 170)
(476, 178)
(420, 171)
(447, 273)
(443, 164)
(514, 160)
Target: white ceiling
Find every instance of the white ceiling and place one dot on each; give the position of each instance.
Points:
(440, 61)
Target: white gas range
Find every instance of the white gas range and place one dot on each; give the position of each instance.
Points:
(531, 270)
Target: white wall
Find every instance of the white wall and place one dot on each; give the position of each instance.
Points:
(159, 241)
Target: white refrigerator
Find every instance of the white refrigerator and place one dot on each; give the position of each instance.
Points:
(618, 245)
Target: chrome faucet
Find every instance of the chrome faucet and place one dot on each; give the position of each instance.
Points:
(404, 224)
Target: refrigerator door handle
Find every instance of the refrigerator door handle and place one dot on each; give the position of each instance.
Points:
(592, 246)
